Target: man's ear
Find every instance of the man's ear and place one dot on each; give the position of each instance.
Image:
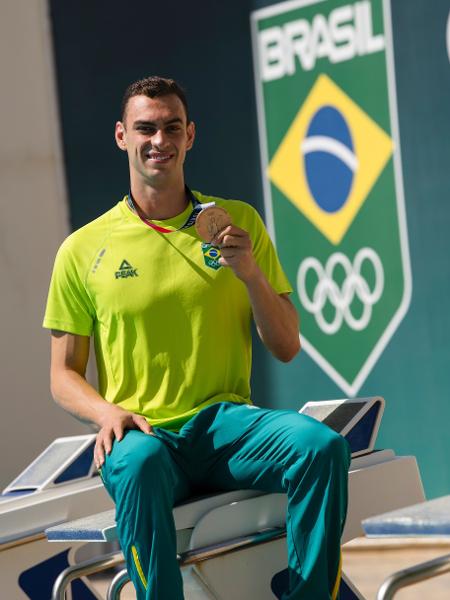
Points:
(190, 135)
(120, 135)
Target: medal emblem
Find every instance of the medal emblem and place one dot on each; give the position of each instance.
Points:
(211, 221)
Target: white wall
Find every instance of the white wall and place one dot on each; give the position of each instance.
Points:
(33, 222)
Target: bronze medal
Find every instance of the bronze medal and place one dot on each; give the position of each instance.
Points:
(211, 221)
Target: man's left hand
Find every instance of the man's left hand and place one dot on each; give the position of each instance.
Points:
(236, 252)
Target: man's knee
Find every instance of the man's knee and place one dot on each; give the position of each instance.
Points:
(139, 455)
(319, 445)
(332, 446)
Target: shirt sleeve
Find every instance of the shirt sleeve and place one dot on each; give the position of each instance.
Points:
(69, 307)
(267, 258)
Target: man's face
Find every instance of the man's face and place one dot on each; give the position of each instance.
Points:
(156, 137)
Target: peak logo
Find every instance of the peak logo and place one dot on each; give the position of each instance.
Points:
(330, 158)
(126, 270)
(333, 187)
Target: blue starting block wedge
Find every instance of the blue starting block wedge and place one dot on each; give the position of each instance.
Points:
(426, 519)
(356, 419)
(66, 460)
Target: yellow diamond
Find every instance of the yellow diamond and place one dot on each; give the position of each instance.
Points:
(372, 148)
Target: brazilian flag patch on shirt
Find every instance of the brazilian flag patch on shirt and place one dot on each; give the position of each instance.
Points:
(211, 254)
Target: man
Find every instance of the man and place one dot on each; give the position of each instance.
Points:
(170, 315)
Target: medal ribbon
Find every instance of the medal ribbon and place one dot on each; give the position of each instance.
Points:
(197, 207)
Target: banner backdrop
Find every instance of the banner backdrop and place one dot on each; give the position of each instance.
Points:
(334, 190)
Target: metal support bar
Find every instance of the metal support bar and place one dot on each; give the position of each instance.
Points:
(197, 555)
(117, 584)
(95, 565)
(415, 574)
(88, 567)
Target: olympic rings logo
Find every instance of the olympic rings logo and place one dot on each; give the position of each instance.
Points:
(341, 298)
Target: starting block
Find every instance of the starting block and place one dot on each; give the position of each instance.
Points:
(234, 542)
(232, 545)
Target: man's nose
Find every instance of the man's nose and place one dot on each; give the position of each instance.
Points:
(159, 138)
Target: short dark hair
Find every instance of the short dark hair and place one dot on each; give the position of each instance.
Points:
(154, 87)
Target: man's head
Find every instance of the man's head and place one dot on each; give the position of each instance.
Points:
(153, 87)
(155, 131)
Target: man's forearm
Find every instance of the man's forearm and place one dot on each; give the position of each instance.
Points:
(71, 391)
(274, 314)
(275, 317)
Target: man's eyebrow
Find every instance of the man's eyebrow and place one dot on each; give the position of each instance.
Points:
(154, 123)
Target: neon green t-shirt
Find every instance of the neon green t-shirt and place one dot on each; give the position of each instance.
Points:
(171, 327)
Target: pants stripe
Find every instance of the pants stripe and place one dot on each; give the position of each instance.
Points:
(338, 580)
(137, 564)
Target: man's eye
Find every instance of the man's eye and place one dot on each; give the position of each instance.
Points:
(146, 129)
(173, 128)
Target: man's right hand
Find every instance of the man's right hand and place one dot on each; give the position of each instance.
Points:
(70, 354)
(114, 423)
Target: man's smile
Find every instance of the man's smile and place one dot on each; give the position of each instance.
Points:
(158, 157)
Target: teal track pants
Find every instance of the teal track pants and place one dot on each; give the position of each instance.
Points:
(226, 447)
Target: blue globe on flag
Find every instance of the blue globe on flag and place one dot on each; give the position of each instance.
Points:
(329, 159)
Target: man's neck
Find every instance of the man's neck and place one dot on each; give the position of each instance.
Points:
(159, 204)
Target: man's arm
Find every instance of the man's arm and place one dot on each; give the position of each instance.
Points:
(275, 316)
(70, 389)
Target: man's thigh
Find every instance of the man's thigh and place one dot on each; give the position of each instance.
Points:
(140, 461)
(253, 448)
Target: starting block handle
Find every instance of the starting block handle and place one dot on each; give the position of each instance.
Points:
(415, 574)
(88, 567)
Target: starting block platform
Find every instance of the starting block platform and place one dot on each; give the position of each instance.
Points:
(231, 545)
(213, 530)
(425, 519)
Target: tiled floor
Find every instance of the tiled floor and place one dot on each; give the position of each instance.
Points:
(367, 563)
